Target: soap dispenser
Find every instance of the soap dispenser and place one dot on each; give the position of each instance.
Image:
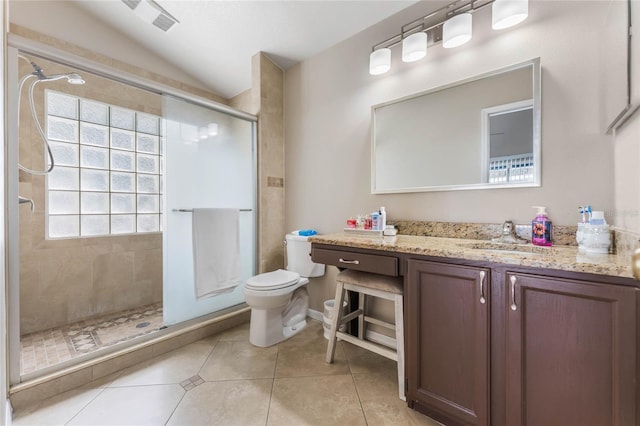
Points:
(541, 228)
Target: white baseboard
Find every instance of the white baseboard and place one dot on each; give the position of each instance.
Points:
(374, 336)
(316, 315)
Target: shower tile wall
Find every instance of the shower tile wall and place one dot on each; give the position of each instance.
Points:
(63, 281)
(265, 99)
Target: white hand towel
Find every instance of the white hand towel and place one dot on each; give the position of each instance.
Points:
(216, 251)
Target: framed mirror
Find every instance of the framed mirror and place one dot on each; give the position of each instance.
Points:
(479, 133)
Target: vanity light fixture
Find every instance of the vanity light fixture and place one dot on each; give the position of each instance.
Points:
(151, 12)
(451, 25)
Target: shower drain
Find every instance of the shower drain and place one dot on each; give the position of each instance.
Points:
(143, 324)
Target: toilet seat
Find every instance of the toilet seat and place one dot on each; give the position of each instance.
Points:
(273, 280)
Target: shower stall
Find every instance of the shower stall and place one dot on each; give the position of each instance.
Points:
(103, 176)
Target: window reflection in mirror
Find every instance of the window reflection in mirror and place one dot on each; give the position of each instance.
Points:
(439, 140)
(508, 143)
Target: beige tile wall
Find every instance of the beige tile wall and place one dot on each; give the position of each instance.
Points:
(268, 90)
(266, 100)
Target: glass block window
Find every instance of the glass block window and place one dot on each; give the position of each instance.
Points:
(106, 178)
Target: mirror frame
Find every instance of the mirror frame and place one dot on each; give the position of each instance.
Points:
(537, 113)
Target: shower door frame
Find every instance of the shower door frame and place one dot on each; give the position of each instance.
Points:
(18, 44)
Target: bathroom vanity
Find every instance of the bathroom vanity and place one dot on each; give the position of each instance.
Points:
(500, 335)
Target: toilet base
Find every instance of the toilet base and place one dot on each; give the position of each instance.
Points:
(273, 325)
(266, 328)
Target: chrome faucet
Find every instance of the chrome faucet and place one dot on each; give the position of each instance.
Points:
(509, 234)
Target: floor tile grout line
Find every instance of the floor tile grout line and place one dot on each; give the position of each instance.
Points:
(176, 407)
(213, 347)
(364, 414)
(86, 405)
(273, 384)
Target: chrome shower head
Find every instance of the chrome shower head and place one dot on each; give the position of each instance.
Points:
(72, 78)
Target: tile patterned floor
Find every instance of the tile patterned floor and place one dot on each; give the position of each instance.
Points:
(224, 380)
(50, 347)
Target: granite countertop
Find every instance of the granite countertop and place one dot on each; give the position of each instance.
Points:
(564, 258)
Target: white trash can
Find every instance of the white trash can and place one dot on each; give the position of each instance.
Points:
(327, 316)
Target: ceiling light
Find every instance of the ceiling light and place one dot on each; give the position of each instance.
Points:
(380, 61)
(457, 31)
(507, 13)
(414, 47)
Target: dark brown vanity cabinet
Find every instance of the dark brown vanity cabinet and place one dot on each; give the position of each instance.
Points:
(571, 352)
(447, 341)
(551, 351)
(501, 345)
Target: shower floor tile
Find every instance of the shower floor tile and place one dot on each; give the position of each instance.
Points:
(50, 347)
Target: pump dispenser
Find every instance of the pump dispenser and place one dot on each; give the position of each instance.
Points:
(541, 228)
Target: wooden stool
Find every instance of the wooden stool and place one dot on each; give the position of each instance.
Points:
(375, 285)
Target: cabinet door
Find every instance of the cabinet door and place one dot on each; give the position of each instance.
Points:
(447, 342)
(571, 352)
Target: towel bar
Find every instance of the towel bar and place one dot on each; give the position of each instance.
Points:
(191, 210)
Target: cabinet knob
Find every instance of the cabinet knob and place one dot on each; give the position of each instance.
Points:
(635, 264)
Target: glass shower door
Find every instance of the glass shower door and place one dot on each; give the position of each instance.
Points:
(209, 162)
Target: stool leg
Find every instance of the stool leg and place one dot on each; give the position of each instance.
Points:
(399, 314)
(335, 321)
(362, 305)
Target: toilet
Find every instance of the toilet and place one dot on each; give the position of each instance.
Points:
(279, 300)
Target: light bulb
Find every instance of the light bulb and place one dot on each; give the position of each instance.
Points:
(457, 30)
(380, 61)
(414, 47)
(212, 129)
(507, 13)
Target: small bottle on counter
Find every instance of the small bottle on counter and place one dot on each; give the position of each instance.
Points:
(541, 228)
(367, 222)
(375, 221)
(383, 218)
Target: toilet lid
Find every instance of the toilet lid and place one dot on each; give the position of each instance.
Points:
(273, 280)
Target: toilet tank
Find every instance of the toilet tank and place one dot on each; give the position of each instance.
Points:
(299, 256)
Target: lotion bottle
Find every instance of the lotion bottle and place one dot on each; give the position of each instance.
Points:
(383, 218)
(541, 228)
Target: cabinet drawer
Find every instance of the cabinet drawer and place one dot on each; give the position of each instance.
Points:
(378, 264)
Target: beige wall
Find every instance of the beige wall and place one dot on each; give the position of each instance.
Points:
(67, 280)
(327, 123)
